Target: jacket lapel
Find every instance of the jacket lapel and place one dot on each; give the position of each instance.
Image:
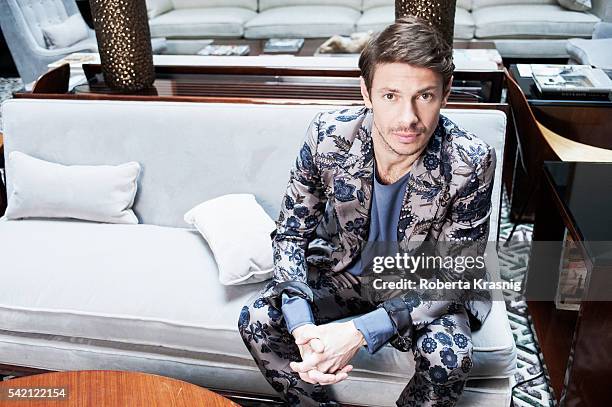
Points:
(427, 191)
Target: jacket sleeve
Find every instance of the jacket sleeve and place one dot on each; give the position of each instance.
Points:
(301, 211)
(467, 225)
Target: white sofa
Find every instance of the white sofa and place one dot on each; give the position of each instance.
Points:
(146, 297)
(520, 28)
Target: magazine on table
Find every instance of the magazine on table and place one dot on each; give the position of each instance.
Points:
(225, 50)
(283, 45)
(572, 81)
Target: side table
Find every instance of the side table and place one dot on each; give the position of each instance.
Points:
(584, 121)
(578, 128)
(105, 388)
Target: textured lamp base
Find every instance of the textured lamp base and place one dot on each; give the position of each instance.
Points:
(439, 13)
(124, 43)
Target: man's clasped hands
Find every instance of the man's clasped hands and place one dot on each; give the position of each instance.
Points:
(326, 351)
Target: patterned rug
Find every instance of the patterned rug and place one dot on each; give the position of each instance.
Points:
(7, 87)
(514, 260)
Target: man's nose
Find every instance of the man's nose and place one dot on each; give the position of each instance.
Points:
(408, 116)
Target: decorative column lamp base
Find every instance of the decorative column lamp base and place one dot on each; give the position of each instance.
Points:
(124, 43)
(439, 13)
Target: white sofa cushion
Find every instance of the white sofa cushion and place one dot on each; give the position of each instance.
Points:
(533, 21)
(157, 7)
(477, 4)
(38, 14)
(163, 198)
(248, 4)
(201, 22)
(464, 24)
(302, 21)
(370, 4)
(159, 288)
(237, 231)
(465, 4)
(268, 4)
(377, 18)
(66, 33)
(43, 189)
(525, 48)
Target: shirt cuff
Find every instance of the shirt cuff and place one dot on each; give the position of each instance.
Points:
(296, 311)
(376, 327)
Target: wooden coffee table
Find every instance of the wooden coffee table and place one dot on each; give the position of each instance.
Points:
(101, 388)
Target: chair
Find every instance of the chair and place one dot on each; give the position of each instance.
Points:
(530, 151)
(21, 22)
(536, 143)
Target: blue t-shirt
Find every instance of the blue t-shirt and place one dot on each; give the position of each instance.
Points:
(384, 215)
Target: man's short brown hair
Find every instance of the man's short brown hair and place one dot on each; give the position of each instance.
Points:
(412, 41)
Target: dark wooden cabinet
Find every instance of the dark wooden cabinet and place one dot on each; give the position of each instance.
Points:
(576, 345)
(583, 121)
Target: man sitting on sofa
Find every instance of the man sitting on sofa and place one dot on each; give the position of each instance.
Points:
(394, 170)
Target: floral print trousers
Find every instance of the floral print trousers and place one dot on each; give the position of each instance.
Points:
(442, 346)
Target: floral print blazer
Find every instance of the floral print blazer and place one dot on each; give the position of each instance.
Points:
(448, 197)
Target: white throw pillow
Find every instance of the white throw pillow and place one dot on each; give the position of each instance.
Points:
(42, 189)
(157, 7)
(66, 33)
(237, 230)
(576, 5)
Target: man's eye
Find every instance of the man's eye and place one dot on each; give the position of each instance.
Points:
(389, 96)
(426, 96)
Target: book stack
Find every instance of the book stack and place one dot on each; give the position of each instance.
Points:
(572, 82)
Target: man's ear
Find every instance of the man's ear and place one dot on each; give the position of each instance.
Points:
(449, 84)
(365, 94)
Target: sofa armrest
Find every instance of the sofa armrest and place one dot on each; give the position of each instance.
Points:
(3, 199)
(602, 9)
(602, 30)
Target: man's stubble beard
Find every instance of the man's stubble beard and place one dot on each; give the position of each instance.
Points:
(390, 147)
